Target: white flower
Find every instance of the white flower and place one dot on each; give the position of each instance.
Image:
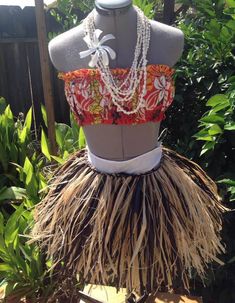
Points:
(163, 85)
(96, 49)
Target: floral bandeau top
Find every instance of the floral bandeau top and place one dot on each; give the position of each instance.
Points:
(91, 103)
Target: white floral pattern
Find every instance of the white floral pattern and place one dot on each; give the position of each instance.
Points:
(92, 104)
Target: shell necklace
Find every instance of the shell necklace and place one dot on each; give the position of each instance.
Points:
(137, 74)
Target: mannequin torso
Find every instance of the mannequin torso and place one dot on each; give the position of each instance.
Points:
(119, 142)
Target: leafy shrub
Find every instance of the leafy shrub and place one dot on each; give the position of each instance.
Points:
(15, 142)
(25, 169)
(206, 64)
(217, 130)
(22, 268)
(205, 78)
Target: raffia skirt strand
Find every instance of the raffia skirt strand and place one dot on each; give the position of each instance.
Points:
(135, 231)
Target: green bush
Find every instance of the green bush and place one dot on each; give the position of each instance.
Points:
(203, 70)
(22, 268)
(15, 143)
(25, 167)
(205, 79)
(217, 131)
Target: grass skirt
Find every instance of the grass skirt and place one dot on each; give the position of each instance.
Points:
(135, 231)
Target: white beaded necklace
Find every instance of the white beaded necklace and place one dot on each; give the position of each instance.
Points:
(138, 69)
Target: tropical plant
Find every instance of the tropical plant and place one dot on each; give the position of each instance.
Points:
(68, 138)
(15, 142)
(25, 274)
(205, 79)
(206, 64)
(217, 131)
(23, 268)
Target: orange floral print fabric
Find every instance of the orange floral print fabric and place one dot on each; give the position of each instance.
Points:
(91, 103)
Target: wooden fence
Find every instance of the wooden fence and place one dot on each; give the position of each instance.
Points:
(20, 72)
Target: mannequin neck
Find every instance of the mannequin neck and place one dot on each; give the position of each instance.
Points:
(108, 9)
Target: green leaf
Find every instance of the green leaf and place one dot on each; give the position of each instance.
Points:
(44, 146)
(59, 138)
(231, 79)
(225, 34)
(82, 139)
(65, 154)
(206, 147)
(5, 267)
(28, 120)
(205, 138)
(49, 263)
(11, 229)
(28, 170)
(217, 99)
(230, 126)
(14, 152)
(231, 260)
(203, 132)
(3, 250)
(214, 26)
(13, 193)
(23, 135)
(31, 180)
(8, 113)
(1, 223)
(227, 182)
(58, 159)
(44, 114)
(231, 189)
(218, 107)
(212, 119)
(231, 24)
(214, 130)
(230, 3)
(63, 132)
(230, 11)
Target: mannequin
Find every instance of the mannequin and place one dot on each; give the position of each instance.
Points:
(144, 221)
(118, 142)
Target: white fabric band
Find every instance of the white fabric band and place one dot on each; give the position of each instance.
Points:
(138, 165)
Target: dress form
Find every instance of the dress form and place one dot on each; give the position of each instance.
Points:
(143, 231)
(118, 142)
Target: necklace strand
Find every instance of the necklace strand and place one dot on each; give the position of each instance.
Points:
(138, 70)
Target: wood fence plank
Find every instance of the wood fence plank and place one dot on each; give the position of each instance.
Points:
(4, 89)
(168, 11)
(14, 76)
(46, 76)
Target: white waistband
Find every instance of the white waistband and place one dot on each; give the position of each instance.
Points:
(137, 165)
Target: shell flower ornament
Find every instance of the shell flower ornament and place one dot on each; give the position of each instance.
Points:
(97, 49)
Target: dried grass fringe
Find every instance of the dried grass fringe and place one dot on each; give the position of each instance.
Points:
(134, 231)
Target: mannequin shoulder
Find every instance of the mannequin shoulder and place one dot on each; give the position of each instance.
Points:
(167, 41)
(66, 46)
